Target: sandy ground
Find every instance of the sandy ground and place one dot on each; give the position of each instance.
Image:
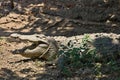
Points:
(28, 17)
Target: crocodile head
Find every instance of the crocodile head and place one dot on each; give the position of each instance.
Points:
(42, 46)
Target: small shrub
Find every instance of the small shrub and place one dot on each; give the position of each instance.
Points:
(77, 57)
(85, 57)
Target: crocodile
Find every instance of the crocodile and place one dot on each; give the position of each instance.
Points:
(47, 47)
(41, 46)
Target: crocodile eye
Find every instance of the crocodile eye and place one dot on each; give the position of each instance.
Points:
(38, 36)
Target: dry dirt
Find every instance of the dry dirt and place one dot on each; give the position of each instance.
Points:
(53, 18)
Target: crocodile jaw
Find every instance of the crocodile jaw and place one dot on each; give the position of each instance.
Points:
(32, 38)
(32, 51)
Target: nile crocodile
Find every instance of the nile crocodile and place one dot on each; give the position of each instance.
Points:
(47, 47)
(40, 48)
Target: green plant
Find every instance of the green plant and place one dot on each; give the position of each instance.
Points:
(85, 57)
(112, 65)
(77, 57)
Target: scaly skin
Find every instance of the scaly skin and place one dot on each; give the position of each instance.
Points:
(47, 46)
(42, 47)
